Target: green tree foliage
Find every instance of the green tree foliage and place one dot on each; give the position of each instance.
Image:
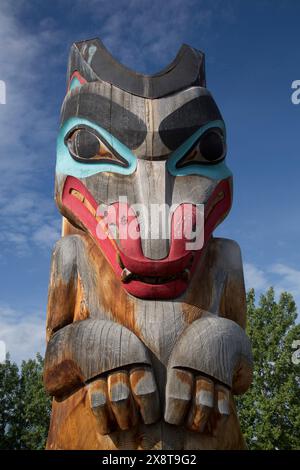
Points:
(25, 407)
(36, 405)
(270, 411)
(9, 407)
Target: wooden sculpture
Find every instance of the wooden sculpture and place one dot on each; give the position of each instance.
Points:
(146, 342)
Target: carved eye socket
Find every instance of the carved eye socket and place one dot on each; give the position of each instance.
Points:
(209, 149)
(211, 146)
(86, 146)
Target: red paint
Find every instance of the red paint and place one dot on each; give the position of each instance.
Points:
(130, 250)
(79, 77)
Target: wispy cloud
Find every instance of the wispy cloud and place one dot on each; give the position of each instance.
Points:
(143, 31)
(22, 332)
(280, 276)
(27, 127)
(254, 277)
(28, 219)
(286, 278)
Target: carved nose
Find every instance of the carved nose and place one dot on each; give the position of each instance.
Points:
(154, 193)
(155, 232)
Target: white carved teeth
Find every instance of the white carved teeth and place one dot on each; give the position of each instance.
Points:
(126, 275)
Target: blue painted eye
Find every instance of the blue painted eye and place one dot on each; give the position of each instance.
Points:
(83, 145)
(210, 148)
(81, 141)
(202, 154)
(86, 146)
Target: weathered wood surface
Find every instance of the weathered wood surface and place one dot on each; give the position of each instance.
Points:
(216, 347)
(90, 348)
(146, 341)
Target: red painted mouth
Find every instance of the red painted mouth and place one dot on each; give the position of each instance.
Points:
(142, 277)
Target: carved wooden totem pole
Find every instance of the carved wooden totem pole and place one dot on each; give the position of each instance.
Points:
(145, 327)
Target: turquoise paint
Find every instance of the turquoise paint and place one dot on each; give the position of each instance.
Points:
(65, 164)
(75, 83)
(217, 171)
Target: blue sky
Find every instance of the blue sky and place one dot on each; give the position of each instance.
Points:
(252, 58)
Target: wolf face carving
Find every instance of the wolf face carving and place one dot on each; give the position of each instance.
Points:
(145, 323)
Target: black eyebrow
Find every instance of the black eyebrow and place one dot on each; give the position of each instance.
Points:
(118, 121)
(176, 128)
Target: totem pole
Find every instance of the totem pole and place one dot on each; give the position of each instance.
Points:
(145, 326)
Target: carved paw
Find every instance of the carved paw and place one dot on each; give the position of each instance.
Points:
(211, 359)
(123, 397)
(112, 363)
(196, 401)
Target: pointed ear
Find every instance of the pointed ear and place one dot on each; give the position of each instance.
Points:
(76, 80)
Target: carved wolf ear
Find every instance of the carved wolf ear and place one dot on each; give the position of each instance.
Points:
(93, 62)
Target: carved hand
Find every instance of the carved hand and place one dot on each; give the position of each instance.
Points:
(114, 366)
(211, 359)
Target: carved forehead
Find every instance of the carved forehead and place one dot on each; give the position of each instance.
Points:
(150, 127)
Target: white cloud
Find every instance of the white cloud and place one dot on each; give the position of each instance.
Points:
(47, 234)
(23, 333)
(139, 30)
(27, 127)
(286, 278)
(254, 277)
(28, 220)
(277, 275)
